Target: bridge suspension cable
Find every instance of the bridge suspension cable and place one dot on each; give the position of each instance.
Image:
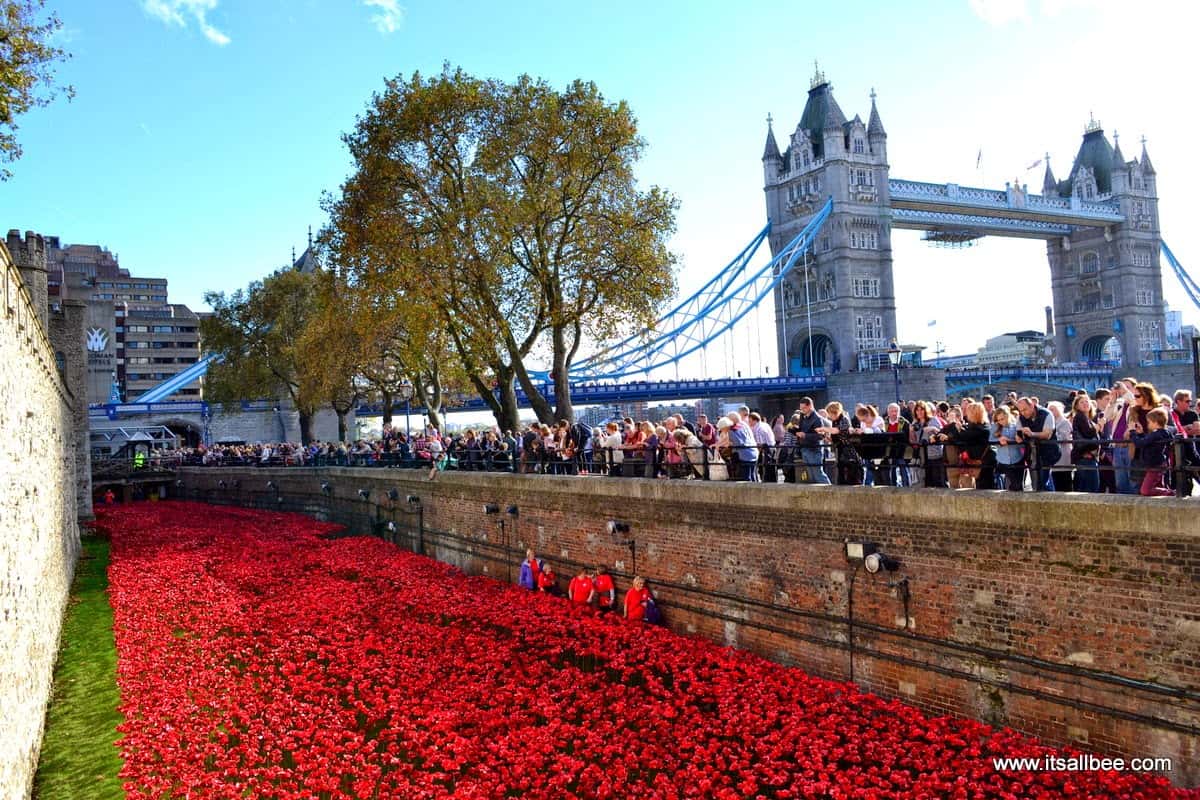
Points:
(705, 316)
(1190, 287)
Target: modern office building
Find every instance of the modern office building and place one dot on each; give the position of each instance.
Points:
(135, 337)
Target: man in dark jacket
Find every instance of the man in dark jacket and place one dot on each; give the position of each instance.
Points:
(809, 441)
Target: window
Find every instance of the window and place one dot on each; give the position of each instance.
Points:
(163, 329)
(824, 244)
(161, 298)
(1107, 302)
(139, 360)
(1138, 183)
(862, 177)
(1077, 306)
(118, 329)
(141, 286)
(807, 160)
(1149, 340)
(1089, 263)
(865, 287)
(858, 146)
(797, 161)
(1141, 257)
(864, 240)
(105, 296)
(1145, 297)
(139, 329)
(868, 333)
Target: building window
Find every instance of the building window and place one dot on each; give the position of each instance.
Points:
(1145, 297)
(828, 288)
(807, 160)
(138, 329)
(864, 240)
(1108, 301)
(1089, 263)
(1141, 257)
(163, 329)
(865, 287)
(858, 146)
(1149, 340)
(868, 333)
(824, 244)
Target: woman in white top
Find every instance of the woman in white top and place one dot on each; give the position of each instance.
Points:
(1060, 473)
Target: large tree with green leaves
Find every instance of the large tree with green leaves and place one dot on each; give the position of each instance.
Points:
(257, 332)
(27, 60)
(509, 215)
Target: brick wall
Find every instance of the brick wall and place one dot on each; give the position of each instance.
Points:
(39, 534)
(1075, 618)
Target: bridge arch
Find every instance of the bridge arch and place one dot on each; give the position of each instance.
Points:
(1101, 347)
(813, 355)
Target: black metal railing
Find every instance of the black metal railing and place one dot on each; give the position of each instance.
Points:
(852, 459)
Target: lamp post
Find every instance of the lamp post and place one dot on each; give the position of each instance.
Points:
(407, 389)
(894, 354)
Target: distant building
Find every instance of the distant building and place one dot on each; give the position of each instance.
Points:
(136, 339)
(1173, 330)
(1022, 348)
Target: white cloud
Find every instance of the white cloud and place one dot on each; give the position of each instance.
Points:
(1000, 12)
(389, 16)
(177, 12)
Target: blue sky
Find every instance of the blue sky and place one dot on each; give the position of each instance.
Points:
(204, 131)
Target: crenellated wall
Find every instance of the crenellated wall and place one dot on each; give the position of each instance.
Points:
(39, 531)
(1072, 617)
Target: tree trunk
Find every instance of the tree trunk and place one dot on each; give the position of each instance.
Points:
(341, 415)
(537, 401)
(508, 418)
(558, 374)
(306, 423)
(386, 398)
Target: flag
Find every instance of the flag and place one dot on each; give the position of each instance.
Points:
(1035, 164)
(979, 158)
(932, 322)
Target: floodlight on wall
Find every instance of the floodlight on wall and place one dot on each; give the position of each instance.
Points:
(393, 494)
(326, 488)
(877, 561)
(365, 494)
(412, 498)
(220, 484)
(237, 483)
(616, 526)
(512, 511)
(491, 508)
(179, 484)
(272, 486)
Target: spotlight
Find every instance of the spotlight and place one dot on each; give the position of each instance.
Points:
(876, 561)
(220, 484)
(491, 508)
(237, 483)
(393, 494)
(616, 526)
(179, 484)
(512, 511)
(327, 488)
(364, 493)
(412, 498)
(272, 485)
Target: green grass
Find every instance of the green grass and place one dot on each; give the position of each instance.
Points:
(79, 758)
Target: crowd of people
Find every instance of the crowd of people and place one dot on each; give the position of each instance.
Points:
(592, 588)
(1126, 439)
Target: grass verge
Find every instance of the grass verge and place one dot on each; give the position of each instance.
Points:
(79, 758)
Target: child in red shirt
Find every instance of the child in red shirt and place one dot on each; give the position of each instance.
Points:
(605, 589)
(580, 588)
(636, 600)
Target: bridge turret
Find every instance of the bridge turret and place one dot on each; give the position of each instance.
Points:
(772, 159)
(1120, 170)
(876, 135)
(1049, 184)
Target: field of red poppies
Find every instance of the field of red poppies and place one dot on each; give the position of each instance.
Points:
(260, 660)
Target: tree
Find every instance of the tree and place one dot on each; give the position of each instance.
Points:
(27, 62)
(329, 351)
(510, 215)
(256, 331)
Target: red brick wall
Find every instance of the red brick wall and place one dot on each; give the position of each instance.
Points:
(1075, 618)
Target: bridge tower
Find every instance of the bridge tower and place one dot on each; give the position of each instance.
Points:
(842, 291)
(1107, 282)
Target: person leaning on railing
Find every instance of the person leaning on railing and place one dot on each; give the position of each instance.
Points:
(1085, 445)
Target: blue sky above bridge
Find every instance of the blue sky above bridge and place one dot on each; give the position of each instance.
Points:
(204, 131)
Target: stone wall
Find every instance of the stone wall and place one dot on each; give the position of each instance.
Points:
(39, 533)
(1072, 617)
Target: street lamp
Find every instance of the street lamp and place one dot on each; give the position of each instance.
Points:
(894, 354)
(406, 389)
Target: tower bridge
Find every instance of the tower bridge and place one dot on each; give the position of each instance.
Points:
(838, 310)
